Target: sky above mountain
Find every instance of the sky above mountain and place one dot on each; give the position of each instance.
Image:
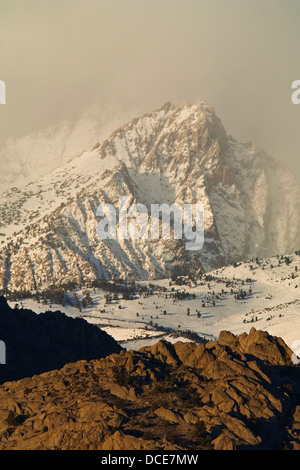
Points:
(241, 56)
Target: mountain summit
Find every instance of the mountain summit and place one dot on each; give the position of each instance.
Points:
(175, 154)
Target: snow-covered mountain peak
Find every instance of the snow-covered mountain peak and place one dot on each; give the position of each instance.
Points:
(175, 154)
(26, 159)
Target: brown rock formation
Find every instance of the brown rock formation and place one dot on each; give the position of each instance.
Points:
(240, 392)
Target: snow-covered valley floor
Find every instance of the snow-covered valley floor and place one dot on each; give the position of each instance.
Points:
(261, 293)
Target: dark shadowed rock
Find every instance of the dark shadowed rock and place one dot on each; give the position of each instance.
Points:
(38, 343)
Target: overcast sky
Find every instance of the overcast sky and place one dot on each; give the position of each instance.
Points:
(58, 56)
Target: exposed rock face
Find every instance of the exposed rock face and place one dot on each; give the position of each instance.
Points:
(38, 343)
(235, 393)
(176, 154)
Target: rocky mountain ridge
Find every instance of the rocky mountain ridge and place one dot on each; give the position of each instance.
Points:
(30, 157)
(176, 154)
(240, 392)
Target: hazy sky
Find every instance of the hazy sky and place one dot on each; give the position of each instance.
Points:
(58, 56)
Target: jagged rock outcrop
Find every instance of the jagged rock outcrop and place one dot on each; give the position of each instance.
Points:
(222, 394)
(176, 154)
(38, 343)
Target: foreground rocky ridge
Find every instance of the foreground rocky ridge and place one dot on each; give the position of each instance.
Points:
(240, 392)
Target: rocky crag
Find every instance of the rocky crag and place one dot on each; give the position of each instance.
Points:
(240, 392)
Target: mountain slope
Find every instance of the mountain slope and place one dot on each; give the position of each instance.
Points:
(33, 156)
(176, 154)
